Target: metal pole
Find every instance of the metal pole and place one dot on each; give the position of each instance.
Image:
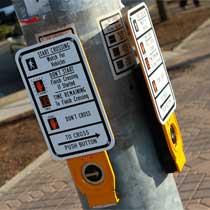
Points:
(141, 182)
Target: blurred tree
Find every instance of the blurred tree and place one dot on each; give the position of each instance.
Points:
(5, 3)
(162, 10)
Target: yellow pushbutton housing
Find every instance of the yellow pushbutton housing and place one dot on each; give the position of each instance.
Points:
(93, 175)
(174, 141)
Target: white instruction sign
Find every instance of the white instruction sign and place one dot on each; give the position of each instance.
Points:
(152, 62)
(65, 97)
(116, 44)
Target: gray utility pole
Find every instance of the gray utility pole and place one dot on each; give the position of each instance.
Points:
(141, 181)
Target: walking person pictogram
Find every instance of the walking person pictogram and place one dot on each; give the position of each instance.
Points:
(31, 63)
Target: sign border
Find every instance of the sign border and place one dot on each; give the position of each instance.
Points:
(126, 72)
(93, 87)
(173, 108)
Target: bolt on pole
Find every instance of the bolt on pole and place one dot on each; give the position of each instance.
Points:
(141, 182)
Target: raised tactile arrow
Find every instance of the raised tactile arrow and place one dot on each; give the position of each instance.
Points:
(88, 137)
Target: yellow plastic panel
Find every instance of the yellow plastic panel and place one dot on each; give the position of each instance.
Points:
(93, 176)
(175, 142)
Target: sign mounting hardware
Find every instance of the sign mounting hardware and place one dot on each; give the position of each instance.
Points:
(65, 97)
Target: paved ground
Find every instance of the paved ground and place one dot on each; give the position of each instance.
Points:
(193, 98)
(14, 106)
(192, 89)
(17, 108)
(46, 185)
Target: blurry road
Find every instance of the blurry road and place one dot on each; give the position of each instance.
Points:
(10, 80)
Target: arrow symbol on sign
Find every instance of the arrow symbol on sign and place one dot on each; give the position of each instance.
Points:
(88, 137)
(92, 174)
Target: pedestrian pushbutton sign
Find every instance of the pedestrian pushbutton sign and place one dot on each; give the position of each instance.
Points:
(152, 62)
(65, 97)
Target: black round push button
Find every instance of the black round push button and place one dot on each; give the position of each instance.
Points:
(93, 173)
